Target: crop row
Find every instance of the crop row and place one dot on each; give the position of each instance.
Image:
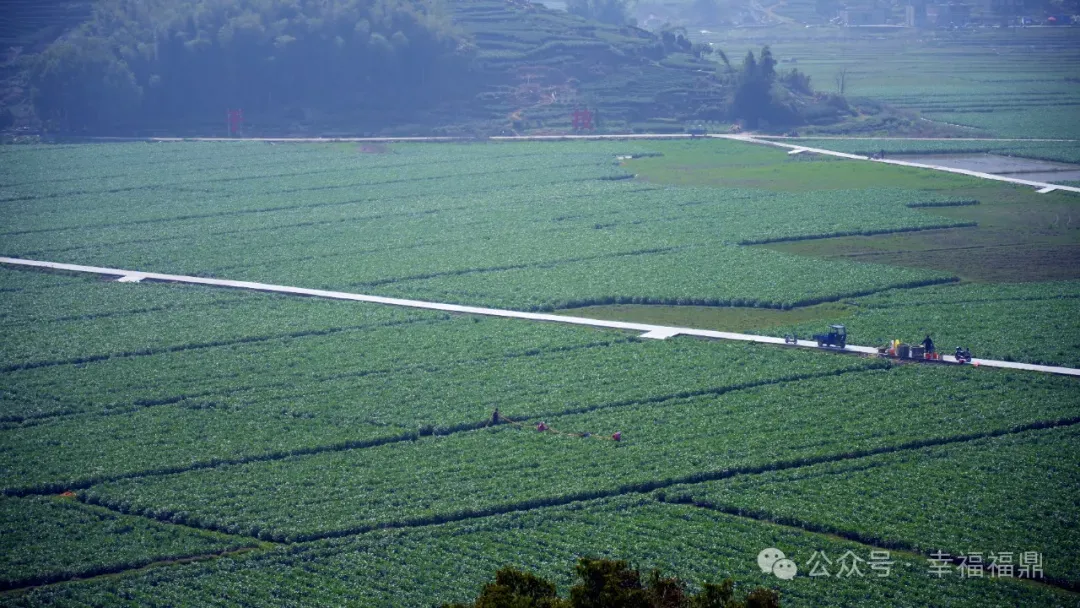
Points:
(320, 363)
(161, 348)
(967, 203)
(44, 297)
(1009, 494)
(511, 223)
(89, 204)
(295, 374)
(432, 479)
(428, 566)
(973, 292)
(1051, 122)
(47, 539)
(540, 223)
(388, 207)
(707, 275)
(189, 409)
(319, 162)
(166, 327)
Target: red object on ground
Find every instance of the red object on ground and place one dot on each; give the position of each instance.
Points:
(68, 494)
(541, 427)
(583, 120)
(617, 436)
(236, 118)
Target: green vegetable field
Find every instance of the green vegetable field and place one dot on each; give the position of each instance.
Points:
(983, 82)
(443, 222)
(1061, 151)
(54, 539)
(974, 497)
(165, 444)
(1010, 321)
(409, 567)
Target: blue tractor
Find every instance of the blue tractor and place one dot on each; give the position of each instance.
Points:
(837, 337)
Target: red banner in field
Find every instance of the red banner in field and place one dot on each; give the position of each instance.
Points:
(583, 120)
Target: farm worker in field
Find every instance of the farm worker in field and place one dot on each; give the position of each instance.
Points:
(928, 344)
(495, 416)
(617, 436)
(541, 427)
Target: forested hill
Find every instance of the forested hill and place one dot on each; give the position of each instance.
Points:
(363, 67)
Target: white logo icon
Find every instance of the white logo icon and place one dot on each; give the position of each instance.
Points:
(768, 557)
(785, 569)
(774, 561)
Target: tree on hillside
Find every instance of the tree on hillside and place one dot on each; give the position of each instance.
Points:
(767, 65)
(81, 82)
(171, 60)
(750, 99)
(841, 79)
(760, 93)
(675, 40)
(612, 584)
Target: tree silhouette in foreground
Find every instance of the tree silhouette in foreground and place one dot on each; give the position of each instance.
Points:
(612, 584)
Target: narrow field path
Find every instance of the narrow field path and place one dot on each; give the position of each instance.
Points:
(658, 332)
(896, 138)
(1044, 187)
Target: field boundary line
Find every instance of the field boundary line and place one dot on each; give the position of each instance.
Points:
(1043, 187)
(47, 488)
(11, 421)
(180, 348)
(645, 330)
(847, 535)
(90, 576)
(640, 487)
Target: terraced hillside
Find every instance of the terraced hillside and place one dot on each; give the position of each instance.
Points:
(472, 67)
(552, 62)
